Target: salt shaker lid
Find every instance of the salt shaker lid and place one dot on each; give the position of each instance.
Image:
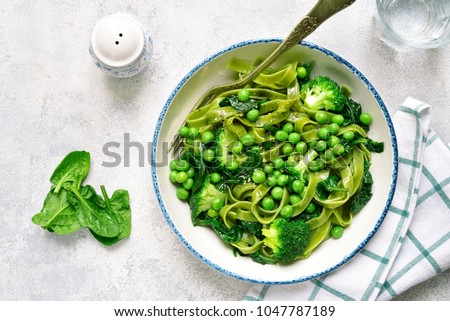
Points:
(117, 40)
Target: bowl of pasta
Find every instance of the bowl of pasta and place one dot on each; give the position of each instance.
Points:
(284, 180)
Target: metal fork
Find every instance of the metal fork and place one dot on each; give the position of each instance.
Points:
(322, 10)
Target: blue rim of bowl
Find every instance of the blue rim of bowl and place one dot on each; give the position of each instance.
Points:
(380, 104)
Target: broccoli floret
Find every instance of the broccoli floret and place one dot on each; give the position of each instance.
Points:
(287, 238)
(323, 93)
(201, 200)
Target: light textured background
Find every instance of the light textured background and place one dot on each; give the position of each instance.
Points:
(53, 100)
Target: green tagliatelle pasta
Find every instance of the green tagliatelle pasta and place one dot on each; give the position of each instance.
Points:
(278, 167)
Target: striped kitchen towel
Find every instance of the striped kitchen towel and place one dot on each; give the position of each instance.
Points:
(412, 244)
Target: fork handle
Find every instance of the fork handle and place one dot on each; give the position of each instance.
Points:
(322, 10)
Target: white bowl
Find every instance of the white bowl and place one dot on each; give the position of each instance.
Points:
(202, 241)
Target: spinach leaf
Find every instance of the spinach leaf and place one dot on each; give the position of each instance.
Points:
(119, 205)
(351, 112)
(228, 235)
(93, 213)
(373, 146)
(253, 161)
(240, 106)
(363, 197)
(72, 170)
(328, 185)
(57, 215)
(197, 162)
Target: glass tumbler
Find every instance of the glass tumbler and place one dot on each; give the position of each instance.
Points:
(414, 24)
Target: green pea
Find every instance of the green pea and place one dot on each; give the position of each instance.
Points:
(182, 193)
(181, 177)
(294, 138)
(324, 133)
(271, 181)
(181, 165)
(256, 149)
(173, 176)
(281, 136)
(208, 155)
(333, 141)
(282, 180)
(215, 178)
(243, 95)
(278, 162)
(333, 128)
(232, 165)
(337, 231)
(193, 133)
(298, 186)
(294, 199)
(365, 119)
(301, 72)
(288, 128)
(253, 115)
(217, 203)
(258, 176)
(212, 213)
(268, 169)
(321, 146)
(301, 148)
(310, 208)
(247, 140)
(276, 173)
(188, 184)
(286, 211)
(315, 165)
(191, 172)
(267, 203)
(338, 150)
(321, 117)
(277, 193)
(237, 147)
(348, 135)
(172, 165)
(207, 137)
(328, 154)
(183, 131)
(337, 119)
(287, 149)
(312, 144)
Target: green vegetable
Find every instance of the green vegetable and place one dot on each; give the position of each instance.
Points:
(119, 205)
(259, 176)
(70, 206)
(72, 170)
(365, 119)
(329, 185)
(363, 197)
(57, 215)
(287, 211)
(301, 72)
(253, 115)
(268, 203)
(337, 231)
(201, 200)
(281, 136)
(321, 117)
(277, 193)
(286, 238)
(184, 131)
(243, 95)
(207, 137)
(323, 93)
(240, 106)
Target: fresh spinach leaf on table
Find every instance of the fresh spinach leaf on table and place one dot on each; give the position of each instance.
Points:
(57, 215)
(72, 170)
(70, 206)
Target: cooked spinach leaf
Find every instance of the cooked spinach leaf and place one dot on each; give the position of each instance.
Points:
(328, 185)
(240, 106)
(365, 194)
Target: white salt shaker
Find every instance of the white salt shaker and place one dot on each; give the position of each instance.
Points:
(120, 45)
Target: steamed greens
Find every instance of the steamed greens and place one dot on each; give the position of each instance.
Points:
(69, 206)
(278, 167)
